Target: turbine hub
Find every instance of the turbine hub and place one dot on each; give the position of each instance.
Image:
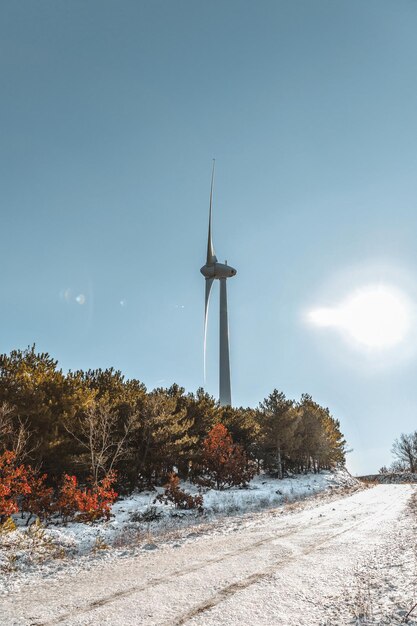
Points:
(218, 270)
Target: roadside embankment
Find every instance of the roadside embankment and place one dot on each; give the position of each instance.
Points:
(389, 479)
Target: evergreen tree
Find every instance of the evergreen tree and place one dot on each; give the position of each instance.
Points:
(244, 427)
(278, 421)
(163, 437)
(41, 396)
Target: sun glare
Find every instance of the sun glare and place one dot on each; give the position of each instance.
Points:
(375, 317)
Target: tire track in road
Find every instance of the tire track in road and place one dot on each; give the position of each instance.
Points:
(233, 588)
(224, 593)
(157, 581)
(166, 579)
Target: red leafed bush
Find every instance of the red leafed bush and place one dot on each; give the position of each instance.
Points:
(67, 503)
(13, 484)
(86, 504)
(224, 462)
(40, 499)
(177, 496)
(95, 503)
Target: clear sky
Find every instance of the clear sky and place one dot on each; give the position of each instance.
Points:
(110, 115)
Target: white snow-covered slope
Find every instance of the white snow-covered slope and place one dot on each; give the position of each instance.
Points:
(314, 566)
(138, 517)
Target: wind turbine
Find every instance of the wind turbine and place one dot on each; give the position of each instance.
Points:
(213, 270)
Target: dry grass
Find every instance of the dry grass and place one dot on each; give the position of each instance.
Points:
(27, 546)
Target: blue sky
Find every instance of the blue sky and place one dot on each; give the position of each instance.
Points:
(110, 115)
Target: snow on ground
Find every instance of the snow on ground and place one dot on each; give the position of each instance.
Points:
(264, 492)
(381, 587)
(137, 521)
(334, 560)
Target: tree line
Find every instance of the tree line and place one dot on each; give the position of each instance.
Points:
(95, 422)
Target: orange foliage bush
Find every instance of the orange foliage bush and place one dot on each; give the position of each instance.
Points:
(39, 501)
(67, 503)
(13, 484)
(95, 503)
(182, 500)
(88, 504)
(22, 488)
(224, 462)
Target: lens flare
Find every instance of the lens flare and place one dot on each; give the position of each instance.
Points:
(374, 317)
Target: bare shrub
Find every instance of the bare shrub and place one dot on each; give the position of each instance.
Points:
(15, 434)
(151, 514)
(103, 435)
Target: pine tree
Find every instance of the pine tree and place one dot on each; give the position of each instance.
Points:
(163, 436)
(278, 421)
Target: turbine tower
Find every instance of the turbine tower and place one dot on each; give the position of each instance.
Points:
(213, 270)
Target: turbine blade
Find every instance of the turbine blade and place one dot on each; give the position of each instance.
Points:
(211, 256)
(209, 283)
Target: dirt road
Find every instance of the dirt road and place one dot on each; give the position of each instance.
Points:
(269, 569)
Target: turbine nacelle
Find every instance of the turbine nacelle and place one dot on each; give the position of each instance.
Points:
(218, 270)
